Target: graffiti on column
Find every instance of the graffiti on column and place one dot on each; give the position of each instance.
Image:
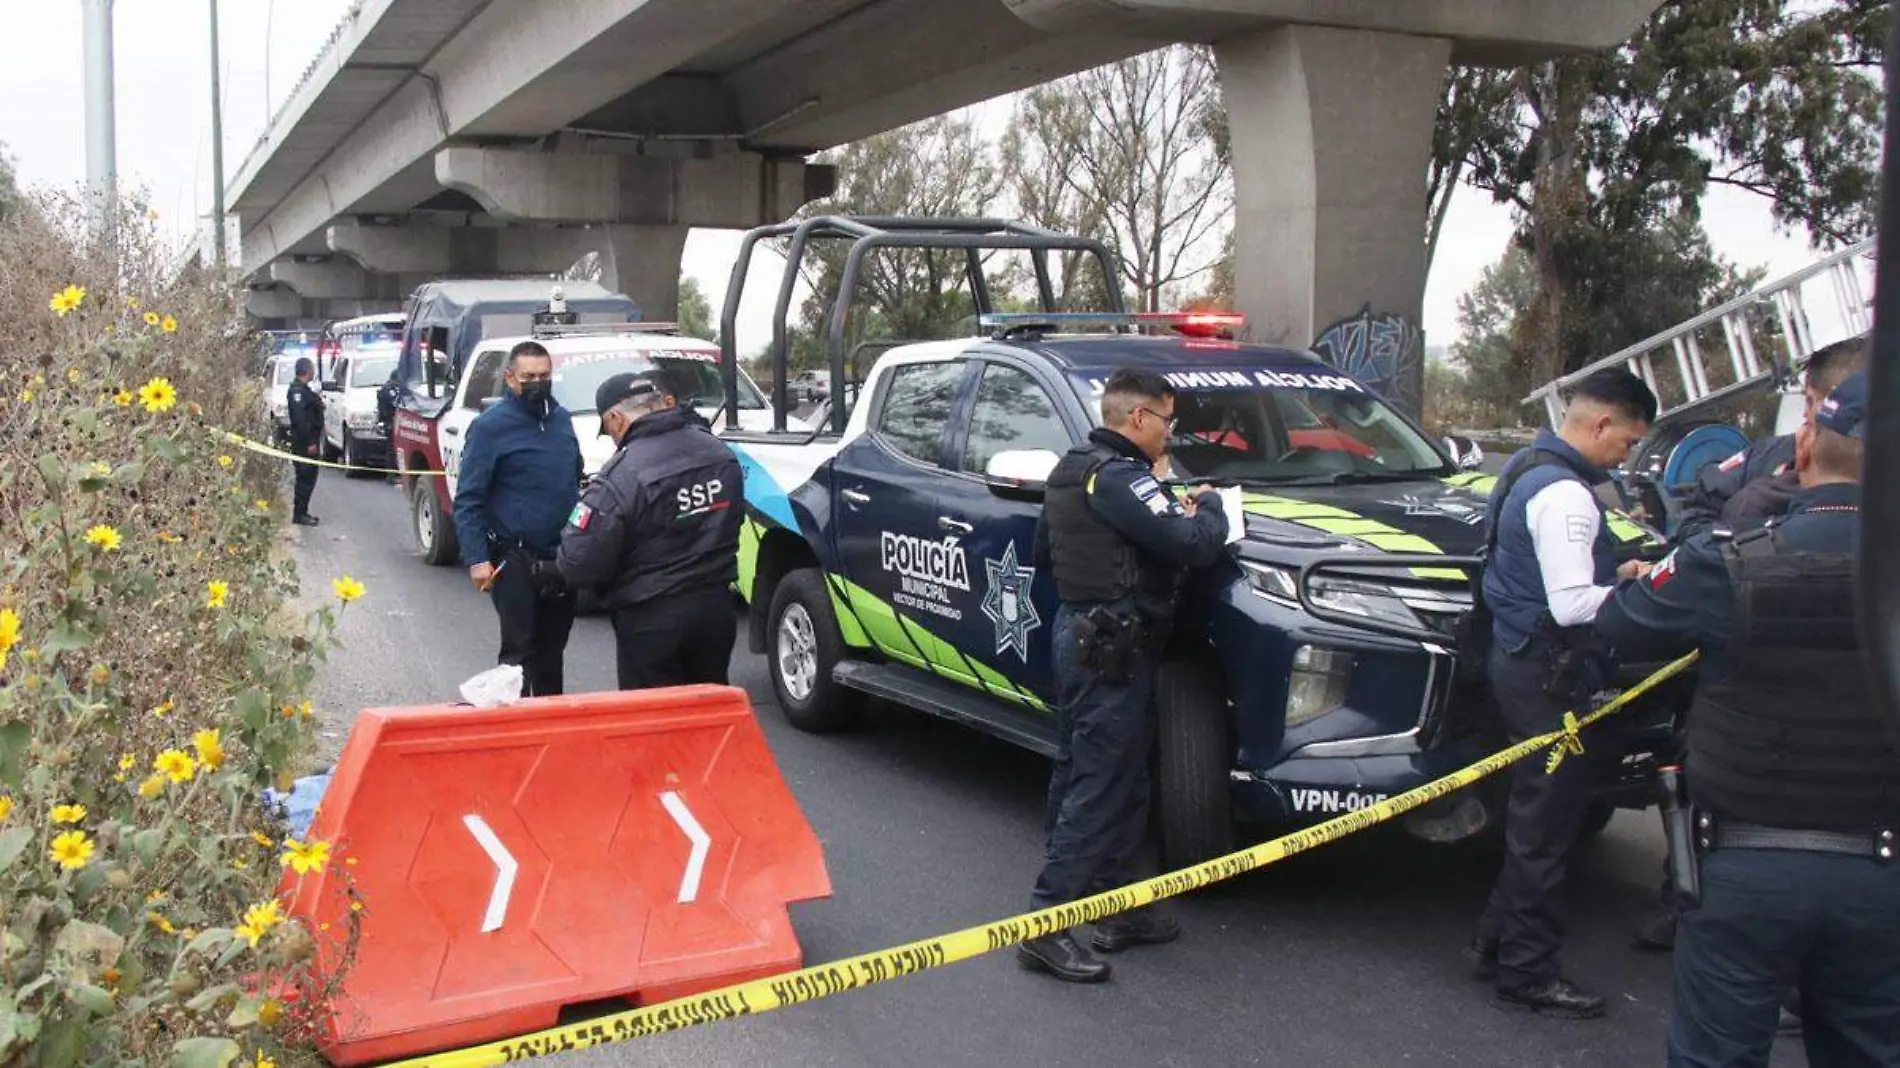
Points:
(1381, 349)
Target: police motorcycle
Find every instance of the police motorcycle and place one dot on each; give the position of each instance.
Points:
(887, 552)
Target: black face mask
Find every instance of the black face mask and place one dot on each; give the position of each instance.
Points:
(538, 397)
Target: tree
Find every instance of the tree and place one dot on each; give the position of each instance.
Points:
(9, 185)
(1601, 153)
(696, 314)
(939, 167)
(1132, 152)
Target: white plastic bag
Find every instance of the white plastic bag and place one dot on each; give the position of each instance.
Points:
(499, 685)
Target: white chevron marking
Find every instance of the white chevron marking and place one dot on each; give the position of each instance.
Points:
(505, 868)
(702, 844)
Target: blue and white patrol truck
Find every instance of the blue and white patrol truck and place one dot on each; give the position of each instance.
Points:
(889, 553)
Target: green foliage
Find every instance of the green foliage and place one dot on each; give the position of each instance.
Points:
(153, 658)
(696, 314)
(9, 185)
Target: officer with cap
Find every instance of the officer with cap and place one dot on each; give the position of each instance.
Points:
(1119, 544)
(657, 535)
(306, 439)
(1551, 565)
(1743, 491)
(1795, 780)
(388, 398)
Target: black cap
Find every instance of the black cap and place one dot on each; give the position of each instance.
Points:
(620, 387)
(1845, 410)
(305, 367)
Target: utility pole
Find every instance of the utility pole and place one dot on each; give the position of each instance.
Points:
(102, 167)
(217, 150)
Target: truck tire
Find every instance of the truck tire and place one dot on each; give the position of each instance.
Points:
(435, 533)
(802, 645)
(351, 460)
(1193, 760)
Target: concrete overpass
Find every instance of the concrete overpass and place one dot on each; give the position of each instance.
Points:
(438, 137)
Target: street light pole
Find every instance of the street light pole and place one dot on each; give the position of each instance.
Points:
(102, 167)
(217, 149)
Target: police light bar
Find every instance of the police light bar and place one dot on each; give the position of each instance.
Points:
(1187, 324)
(589, 329)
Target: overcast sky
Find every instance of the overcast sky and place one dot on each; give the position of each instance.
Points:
(164, 128)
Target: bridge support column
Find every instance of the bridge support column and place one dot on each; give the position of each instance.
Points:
(1332, 134)
(342, 281)
(644, 263)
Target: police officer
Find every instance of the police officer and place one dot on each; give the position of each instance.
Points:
(1743, 491)
(1119, 544)
(1549, 570)
(520, 476)
(657, 534)
(387, 398)
(306, 439)
(1790, 764)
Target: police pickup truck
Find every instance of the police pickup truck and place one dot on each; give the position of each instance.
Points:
(892, 558)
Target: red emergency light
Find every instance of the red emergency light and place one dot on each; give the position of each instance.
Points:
(1206, 324)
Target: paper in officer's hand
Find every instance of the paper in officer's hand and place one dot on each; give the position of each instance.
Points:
(1236, 518)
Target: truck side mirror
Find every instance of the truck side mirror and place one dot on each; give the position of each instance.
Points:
(1465, 453)
(1020, 474)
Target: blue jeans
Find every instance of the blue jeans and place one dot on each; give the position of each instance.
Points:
(1771, 919)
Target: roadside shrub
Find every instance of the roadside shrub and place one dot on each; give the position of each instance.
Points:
(153, 666)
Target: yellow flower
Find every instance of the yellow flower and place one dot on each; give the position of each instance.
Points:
(263, 1061)
(6, 806)
(216, 591)
(307, 709)
(159, 921)
(26, 396)
(168, 537)
(176, 765)
(72, 850)
(262, 839)
(263, 505)
(240, 864)
(9, 633)
(98, 469)
(210, 747)
(132, 303)
(67, 300)
(259, 919)
(304, 859)
(128, 761)
(68, 813)
(152, 787)
(169, 325)
(268, 1014)
(158, 395)
(163, 709)
(104, 537)
(122, 398)
(151, 318)
(356, 906)
(347, 589)
(225, 461)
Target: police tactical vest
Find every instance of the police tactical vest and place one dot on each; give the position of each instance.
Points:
(1792, 737)
(1093, 562)
(1513, 581)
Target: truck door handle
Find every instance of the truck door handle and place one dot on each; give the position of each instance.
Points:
(451, 432)
(954, 526)
(852, 496)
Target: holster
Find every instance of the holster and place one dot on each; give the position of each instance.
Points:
(1111, 640)
(1683, 837)
(1569, 660)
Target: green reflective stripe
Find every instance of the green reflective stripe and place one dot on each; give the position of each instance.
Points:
(1623, 528)
(1331, 520)
(881, 624)
(903, 638)
(1291, 510)
(1352, 528)
(1475, 481)
(749, 534)
(850, 628)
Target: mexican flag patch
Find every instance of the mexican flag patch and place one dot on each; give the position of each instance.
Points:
(581, 516)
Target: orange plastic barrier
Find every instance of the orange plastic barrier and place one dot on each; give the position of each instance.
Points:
(511, 861)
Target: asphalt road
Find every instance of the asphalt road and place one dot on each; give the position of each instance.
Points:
(1346, 956)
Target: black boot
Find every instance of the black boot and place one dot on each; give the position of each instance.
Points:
(1062, 956)
(1142, 927)
(305, 520)
(1483, 958)
(1659, 934)
(1556, 997)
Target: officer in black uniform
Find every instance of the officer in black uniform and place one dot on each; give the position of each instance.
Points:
(657, 534)
(306, 439)
(387, 398)
(1743, 491)
(1119, 545)
(1791, 768)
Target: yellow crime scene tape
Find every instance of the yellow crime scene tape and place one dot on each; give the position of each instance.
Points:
(824, 980)
(262, 449)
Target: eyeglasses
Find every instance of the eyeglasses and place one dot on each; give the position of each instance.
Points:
(1172, 420)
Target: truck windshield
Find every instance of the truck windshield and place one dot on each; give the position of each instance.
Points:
(694, 379)
(1263, 425)
(372, 370)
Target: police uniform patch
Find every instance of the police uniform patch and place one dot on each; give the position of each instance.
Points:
(1732, 462)
(1663, 572)
(581, 516)
(1149, 492)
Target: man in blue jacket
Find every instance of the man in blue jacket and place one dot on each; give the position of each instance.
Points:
(520, 479)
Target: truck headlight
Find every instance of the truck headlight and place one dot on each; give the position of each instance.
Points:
(1317, 684)
(1367, 599)
(1275, 582)
(361, 420)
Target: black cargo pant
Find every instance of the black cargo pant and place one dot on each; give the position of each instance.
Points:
(1542, 822)
(534, 627)
(305, 484)
(1097, 820)
(676, 640)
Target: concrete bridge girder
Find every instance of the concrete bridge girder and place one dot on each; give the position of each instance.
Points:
(733, 190)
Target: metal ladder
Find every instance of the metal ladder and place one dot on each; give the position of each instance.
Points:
(1771, 322)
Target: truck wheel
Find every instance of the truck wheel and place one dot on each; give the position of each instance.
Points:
(351, 460)
(801, 647)
(1193, 760)
(435, 535)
